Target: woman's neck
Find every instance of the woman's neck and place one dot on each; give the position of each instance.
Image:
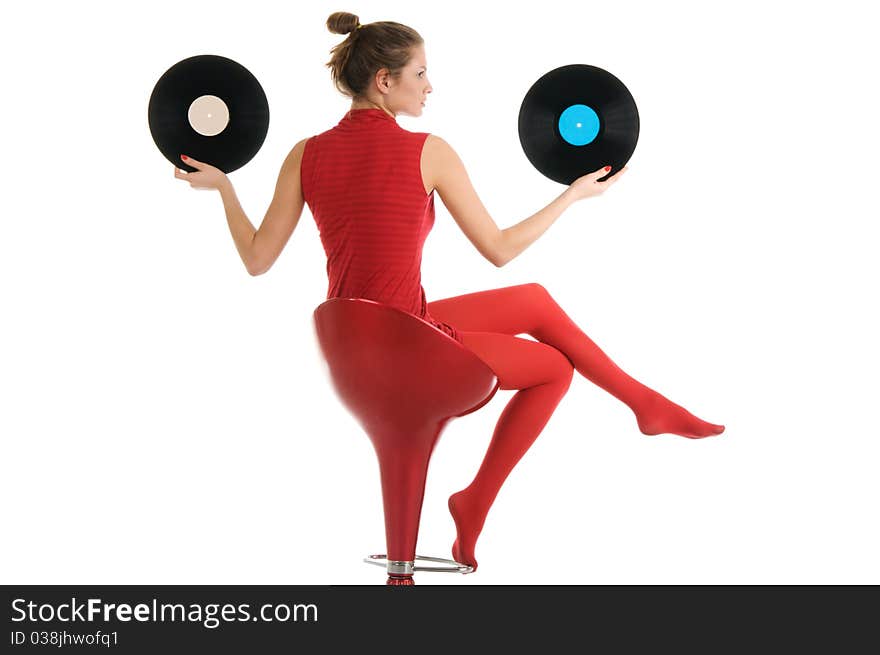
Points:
(369, 104)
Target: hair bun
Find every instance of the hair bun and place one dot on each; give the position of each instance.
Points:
(342, 22)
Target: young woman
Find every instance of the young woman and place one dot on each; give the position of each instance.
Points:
(370, 186)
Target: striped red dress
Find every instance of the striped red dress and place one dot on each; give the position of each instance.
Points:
(363, 184)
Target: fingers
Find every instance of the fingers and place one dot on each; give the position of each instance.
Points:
(601, 172)
(611, 180)
(181, 174)
(185, 176)
(192, 162)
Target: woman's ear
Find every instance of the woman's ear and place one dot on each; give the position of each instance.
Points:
(383, 80)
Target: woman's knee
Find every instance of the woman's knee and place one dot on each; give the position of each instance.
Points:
(539, 294)
(537, 289)
(564, 371)
(545, 313)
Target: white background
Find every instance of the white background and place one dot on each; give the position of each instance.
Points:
(166, 418)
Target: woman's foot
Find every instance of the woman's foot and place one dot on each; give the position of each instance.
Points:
(468, 525)
(659, 415)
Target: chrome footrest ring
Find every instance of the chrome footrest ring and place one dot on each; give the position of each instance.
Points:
(407, 568)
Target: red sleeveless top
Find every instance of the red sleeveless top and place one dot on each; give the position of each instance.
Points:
(362, 182)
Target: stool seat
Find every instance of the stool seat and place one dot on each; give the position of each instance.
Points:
(403, 380)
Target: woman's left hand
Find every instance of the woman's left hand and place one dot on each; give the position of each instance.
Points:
(204, 177)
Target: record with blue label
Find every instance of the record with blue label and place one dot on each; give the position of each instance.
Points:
(576, 119)
(210, 108)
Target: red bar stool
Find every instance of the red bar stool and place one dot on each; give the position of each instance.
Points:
(403, 380)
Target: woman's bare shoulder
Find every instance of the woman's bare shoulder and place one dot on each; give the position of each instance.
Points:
(296, 152)
(300, 145)
(292, 161)
(438, 151)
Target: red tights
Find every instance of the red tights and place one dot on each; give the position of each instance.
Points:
(542, 372)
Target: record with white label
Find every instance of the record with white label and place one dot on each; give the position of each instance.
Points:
(210, 108)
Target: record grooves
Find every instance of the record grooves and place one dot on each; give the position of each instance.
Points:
(210, 108)
(576, 119)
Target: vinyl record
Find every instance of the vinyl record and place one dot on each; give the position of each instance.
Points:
(576, 119)
(210, 108)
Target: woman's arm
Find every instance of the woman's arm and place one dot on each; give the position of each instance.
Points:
(443, 169)
(260, 248)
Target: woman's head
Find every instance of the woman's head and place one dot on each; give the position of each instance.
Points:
(382, 62)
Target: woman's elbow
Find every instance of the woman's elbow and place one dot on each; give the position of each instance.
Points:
(499, 255)
(257, 269)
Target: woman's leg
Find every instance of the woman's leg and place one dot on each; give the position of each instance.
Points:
(529, 309)
(543, 375)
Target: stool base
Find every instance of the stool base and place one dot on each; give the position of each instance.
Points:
(398, 570)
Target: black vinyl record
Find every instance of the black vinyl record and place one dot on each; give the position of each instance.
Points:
(576, 119)
(210, 108)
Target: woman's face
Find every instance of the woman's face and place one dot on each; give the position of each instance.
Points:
(409, 92)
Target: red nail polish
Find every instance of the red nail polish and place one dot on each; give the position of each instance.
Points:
(607, 168)
(184, 157)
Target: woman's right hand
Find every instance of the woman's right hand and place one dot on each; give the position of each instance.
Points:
(204, 177)
(588, 185)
